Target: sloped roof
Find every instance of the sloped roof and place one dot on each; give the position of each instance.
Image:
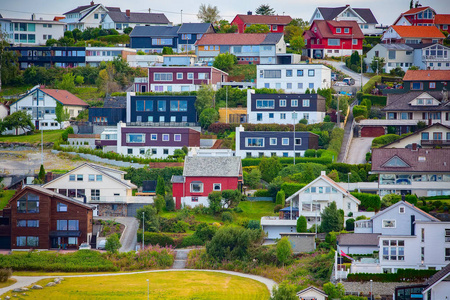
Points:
(194, 28)
(203, 166)
(325, 30)
(84, 7)
(431, 160)
(401, 102)
(239, 39)
(413, 207)
(311, 288)
(261, 19)
(401, 47)
(415, 10)
(436, 278)
(155, 31)
(329, 13)
(442, 19)
(149, 18)
(416, 133)
(418, 31)
(427, 74)
(358, 239)
(65, 97)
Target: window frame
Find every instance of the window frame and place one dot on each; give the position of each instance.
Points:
(200, 186)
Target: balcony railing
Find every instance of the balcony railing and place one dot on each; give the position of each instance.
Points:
(119, 199)
(164, 124)
(435, 142)
(434, 58)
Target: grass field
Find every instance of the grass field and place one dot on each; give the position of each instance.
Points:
(50, 136)
(5, 196)
(8, 282)
(163, 285)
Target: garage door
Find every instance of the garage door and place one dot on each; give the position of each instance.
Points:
(5, 242)
(374, 131)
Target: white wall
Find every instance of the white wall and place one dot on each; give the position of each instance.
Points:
(187, 201)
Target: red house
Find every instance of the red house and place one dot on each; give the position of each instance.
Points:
(442, 22)
(418, 16)
(276, 23)
(333, 38)
(203, 175)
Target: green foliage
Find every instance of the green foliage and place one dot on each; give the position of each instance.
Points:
(167, 51)
(334, 175)
(284, 250)
(297, 43)
(160, 186)
(377, 64)
(225, 61)
(290, 188)
(390, 199)
(269, 168)
(112, 243)
(208, 116)
(370, 85)
(402, 275)
(215, 202)
(257, 28)
(336, 138)
(41, 175)
(227, 217)
(384, 140)
(232, 243)
(170, 204)
(280, 199)
(331, 219)
(160, 203)
(360, 110)
(17, 120)
(253, 178)
(411, 199)
(151, 220)
(62, 114)
(302, 225)
(350, 224)
(5, 274)
(204, 99)
(398, 71)
(334, 291)
(205, 232)
(115, 39)
(67, 82)
(368, 200)
(265, 10)
(254, 224)
(208, 13)
(262, 193)
(137, 176)
(223, 26)
(374, 100)
(153, 238)
(284, 291)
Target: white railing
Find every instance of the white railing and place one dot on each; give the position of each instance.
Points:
(120, 199)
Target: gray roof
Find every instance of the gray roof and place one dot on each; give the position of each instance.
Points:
(155, 31)
(420, 46)
(400, 102)
(272, 38)
(149, 18)
(329, 13)
(194, 28)
(201, 166)
(177, 179)
(397, 47)
(444, 272)
(358, 239)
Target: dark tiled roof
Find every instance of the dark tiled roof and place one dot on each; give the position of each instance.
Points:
(115, 102)
(261, 19)
(329, 13)
(400, 102)
(83, 7)
(366, 14)
(233, 39)
(194, 28)
(56, 195)
(444, 272)
(426, 75)
(155, 31)
(202, 166)
(149, 18)
(272, 38)
(177, 179)
(358, 239)
(420, 160)
(326, 32)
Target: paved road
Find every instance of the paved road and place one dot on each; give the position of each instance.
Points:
(128, 238)
(358, 149)
(341, 67)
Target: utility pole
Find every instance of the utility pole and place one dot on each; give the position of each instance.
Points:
(294, 116)
(338, 115)
(226, 104)
(143, 245)
(361, 72)
(182, 17)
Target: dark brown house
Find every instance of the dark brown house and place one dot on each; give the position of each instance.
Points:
(37, 218)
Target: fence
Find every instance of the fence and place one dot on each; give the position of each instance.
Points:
(349, 141)
(259, 198)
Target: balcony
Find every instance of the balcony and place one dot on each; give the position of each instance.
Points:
(435, 58)
(119, 199)
(435, 142)
(164, 124)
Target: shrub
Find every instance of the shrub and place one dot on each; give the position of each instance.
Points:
(277, 208)
(160, 203)
(191, 240)
(302, 224)
(170, 204)
(181, 226)
(370, 85)
(402, 275)
(368, 200)
(384, 139)
(350, 224)
(112, 243)
(284, 250)
(310, 153)
(5, 274)
(227, 217)
(284, 291)
(262, 193)
(411, 199)
(360, 110)
(291, 188)
(205, 232)
(280, 199)
(390, 199)
(253, 224)
(153, 238)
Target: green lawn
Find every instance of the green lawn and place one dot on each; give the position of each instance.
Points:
(15, 90)
(162, 285)
(88, 93)
(5, 196)
(50, 136)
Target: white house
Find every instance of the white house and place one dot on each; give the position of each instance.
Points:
(87, 16)
(143, 61)
(295, 78)
(432, 57)
(31, 32)
(438, 285)
(95, 55)
(310, 201)
(395, 55)
(41, 104)
(312, 293)
(4, 110)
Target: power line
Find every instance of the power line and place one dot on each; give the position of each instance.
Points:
(29, 12)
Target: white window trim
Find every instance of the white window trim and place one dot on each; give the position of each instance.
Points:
(394, 221)
(400, 210)
(273, 139)
(201, 185)
(214, 186)
(153, 137)
(179, 77)
(283, 101)
(175, 137)
(128, 139)
(294, 101)
(283, 142)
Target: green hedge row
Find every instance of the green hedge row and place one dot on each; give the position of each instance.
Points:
(401, 276)
(384, 140)
(165, 240)
(375, 100)
(324, 159)
(291, 188)
(368, 200)
(370, 85)
(262, 193)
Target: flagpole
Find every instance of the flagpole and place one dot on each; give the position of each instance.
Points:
(335, 265)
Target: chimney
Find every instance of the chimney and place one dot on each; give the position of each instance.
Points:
(127, 12)
(92, 3)
(249, 13)
(347, 5)
(149, 10)
(414, 147)
(323, 173)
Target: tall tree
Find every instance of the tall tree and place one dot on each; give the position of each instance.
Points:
(269, 168)
(62, 114)
(331, 219)
(19, 119)
(223, 26)
(9, 68)
(205, 96)
(208, 13)
(160, 186)
(411, 4)
(265, 9)
(297, 43)
(284, 250)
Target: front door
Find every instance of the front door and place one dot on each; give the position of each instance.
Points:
(56, 241)
(95, 211)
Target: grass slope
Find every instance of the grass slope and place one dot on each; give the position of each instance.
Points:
(167, 285)
(50, 136)
(5, 196)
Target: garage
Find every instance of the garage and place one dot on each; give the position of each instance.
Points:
(372, 131)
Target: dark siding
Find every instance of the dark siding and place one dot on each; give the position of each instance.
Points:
(317, 102)
(146, 42)
(113, 115)
(309, 141)
(440, 85)
(38, 56)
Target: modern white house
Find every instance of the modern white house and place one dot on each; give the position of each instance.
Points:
(432, 56)
(41, 105)
(143, 61)
(438, 285)
(295, 78)
(310, 201)
(284, 108)
(86, 16)
(31, 32)
(395, 55)
(312, 293)
(95, 55)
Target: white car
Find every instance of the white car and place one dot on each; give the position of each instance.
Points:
(84, 246)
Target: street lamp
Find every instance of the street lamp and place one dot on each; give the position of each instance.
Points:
(371, 295)
(143, 230)
(348, 181)
(294, 116)
(148, 289)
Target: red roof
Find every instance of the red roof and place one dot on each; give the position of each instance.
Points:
(418, 31)
(427, 75)
(260, 19)
(232, 39)
(325, 30)
(442, 19)
(416, 10)
(65, 97)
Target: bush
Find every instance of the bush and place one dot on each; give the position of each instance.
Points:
(112, 243)
(390, 199)
(5, 274)
(368, 200)
(277, 208)
(170, 204)
(310, 153)
(191, 240)
(284, 250)
(384, 139)
(280, 199)
(227, 217)
(302, 225)
(291, 188)
(360, 110)
(370, 85)
(411, 199)
(262, 193)
(205, 232)
(350, 224)
(153, 238)
(253, 224)
(402, 275)
(160, 203)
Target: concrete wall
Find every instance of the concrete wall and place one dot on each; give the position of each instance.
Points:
(301, 242)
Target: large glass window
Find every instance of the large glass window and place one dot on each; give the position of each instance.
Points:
(28, 204)
(144, 105)
(21, 241)
(196, 187)
(61, 207)
(272, 73)
(392, 54)
(265, 104)
(254, 142)
(61, 224)
(388, 223)
(178, 105)
(73, 224)
(161, 41)
(32, 241)
(162, 105)
(334, 42)
(135, 138)
(95, 195)
(393, 249)
(163, 76)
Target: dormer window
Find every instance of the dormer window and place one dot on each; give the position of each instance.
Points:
(315, 29)
(346, 30)
(338, 30)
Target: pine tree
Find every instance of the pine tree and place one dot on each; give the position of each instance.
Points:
(160, 186)
(41, 175)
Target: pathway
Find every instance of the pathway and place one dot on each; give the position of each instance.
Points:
(341, 67)
(128, 239)
(181, 256)
(358, 149)
(347, 135)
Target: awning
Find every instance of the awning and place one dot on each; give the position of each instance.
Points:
(65, 233)
(289, 209)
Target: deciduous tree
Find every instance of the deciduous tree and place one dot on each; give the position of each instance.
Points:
(208, 13)
(331, 219)
(208, 116)
(284, 250)
(225, 61)
(20, 119)
(257, 28)
(113, 243)
(205, 96)
(269, 168)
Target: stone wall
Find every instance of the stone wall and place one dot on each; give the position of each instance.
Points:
(112, 210)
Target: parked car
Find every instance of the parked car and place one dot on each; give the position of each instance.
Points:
(333, 76)
(84, 246)
(101, 243)
(349, 81)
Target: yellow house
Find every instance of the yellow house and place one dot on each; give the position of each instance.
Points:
(234, 114)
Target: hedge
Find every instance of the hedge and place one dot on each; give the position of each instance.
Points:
(370, 85)
(436, 197)
(360, 110)
(324, 159)
(384, 140)
(153, 238)
(375, 100)
(368, 200)
(291, 188)
(262, 193)
(401, 276)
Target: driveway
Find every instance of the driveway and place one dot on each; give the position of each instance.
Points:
(128, 238)
(341, 67)
(358, 149)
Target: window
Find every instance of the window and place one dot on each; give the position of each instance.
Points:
(334, 42)
(283, 116)
(32, 241)
(272, 73)
(288, 73)
(217, 187)
(73, 225)
(135, 138)
(28, 203)
(388, 223)
(283, 103)
(33, 223)
(273, 141)
(254, 142)
(346, 30)
(300, 85)
(179, 75)
(274, 27)
(142, 151)
(95, 195)
(71, 177)
(163, 76)
(162, 105)
(310, 73)
(423, 235)
(21, 241)
(153, 137)
(401, 210)
(96, 16)
(178, 105)
(61, 207)
(267, 104)
(294, 103)
(72, 241)
(298, 141)
(338, 30)
(354, 41)
(306, 102)
(271, 115)
(161, 41)
(392, 54)
(91, 177)
(285, 141)
(437, 136)
(447, 253)
(190, 75)
(177, 137)
(393, 249)
(99, 177)
(447, 235)
(196, 187)
(61, 225)
(194, 199)
(21, 223)
(258, 117)
(144, 105)
(432, 85)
